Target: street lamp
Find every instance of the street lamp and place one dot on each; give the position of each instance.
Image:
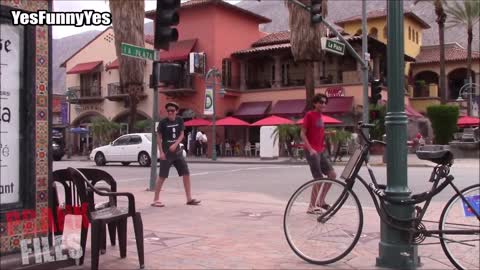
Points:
(214, 74)
(468, 89)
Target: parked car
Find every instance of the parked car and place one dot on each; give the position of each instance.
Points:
(135, 147)
(58, 150)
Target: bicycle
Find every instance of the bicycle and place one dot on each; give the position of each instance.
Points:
(335, 229)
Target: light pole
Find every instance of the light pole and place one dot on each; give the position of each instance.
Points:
(468, 89)
(395, 249)
(214, 74)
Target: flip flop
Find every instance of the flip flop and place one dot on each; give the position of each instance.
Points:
(314, 211)
(324, 206)
(157, 204)
(193, 202)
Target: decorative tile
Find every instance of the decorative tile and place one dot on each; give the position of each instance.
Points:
(15, 241)
(42, 196)
(42, 114)
(41, 183)
(29, 226)
(42, 101)
(42, 60)
(3, 229)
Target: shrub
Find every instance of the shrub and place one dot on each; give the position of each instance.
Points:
(444, 122)
(377, 117)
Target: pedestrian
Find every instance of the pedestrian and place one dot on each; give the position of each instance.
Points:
(198, 143)
(204, 143)
(313, 136)
(170, 133)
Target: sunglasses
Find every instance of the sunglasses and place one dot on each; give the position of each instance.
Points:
(171, 110)
(321, 102)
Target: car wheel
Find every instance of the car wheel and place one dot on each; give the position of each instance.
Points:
(125, 163)
(100, 159)
(144, 159)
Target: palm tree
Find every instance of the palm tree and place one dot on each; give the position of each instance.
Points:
(441, 18)
(465, 14)
(103, 130)
(305, 41)
(128, 20)
(287, 134)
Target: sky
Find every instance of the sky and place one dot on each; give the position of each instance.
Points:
(98, 5)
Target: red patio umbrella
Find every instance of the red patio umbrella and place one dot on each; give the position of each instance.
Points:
(468, 121)
(231, 121)
(198, 122)
(273, 121)
(326, 119)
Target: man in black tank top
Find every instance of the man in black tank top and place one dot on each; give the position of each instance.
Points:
(170, 133)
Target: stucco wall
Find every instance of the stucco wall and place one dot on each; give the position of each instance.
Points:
(102, 50)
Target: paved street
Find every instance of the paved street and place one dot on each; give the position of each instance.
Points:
(278, 181)
(239, 223)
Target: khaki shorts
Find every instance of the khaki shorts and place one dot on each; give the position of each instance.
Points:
(319, 164)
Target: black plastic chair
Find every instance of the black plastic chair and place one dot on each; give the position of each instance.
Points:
(112, 214)
(97, 178)
(72, 204)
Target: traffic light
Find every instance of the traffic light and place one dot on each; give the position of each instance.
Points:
(316, 11)
(376, 91)
(165, 18)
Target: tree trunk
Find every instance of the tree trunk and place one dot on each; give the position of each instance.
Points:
(309, 84)
(441, 18)
(133, 91)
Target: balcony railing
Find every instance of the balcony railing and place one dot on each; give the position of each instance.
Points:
(81, 94)
(115, 93)
(184, 86)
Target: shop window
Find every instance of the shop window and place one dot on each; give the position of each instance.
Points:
(385, 31)
(416, 37)
(227, 72)
(409, 33)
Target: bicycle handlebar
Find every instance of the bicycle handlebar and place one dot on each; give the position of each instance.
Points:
(361, 125)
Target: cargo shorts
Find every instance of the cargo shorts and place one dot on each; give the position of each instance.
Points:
(319, 164)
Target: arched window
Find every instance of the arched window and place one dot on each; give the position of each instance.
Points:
(409, 33)
(385, 31)
(374, 32)
(416, 34)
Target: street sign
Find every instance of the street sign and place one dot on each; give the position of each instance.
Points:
(138, 52)
(333, 46)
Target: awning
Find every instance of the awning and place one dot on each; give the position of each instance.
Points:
(411, 112)
(178, 50)
(290, 107)
(339, 105)
(84, 67)
(113, 65)
(253, 109)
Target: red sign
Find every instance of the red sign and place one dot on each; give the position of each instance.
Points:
(335, 91)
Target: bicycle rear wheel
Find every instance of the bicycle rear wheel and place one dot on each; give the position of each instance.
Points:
(323, 236)
(461, 249)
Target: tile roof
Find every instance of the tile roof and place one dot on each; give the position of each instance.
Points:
(263, 49)
(273, 38)
(379, 13)
(198, 3)
(453, 52)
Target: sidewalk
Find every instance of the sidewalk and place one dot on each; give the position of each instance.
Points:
(234, 231)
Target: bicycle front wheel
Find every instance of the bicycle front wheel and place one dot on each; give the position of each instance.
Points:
(462, 246)
(323, 221)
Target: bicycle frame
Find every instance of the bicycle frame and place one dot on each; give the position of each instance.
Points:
(379, 197)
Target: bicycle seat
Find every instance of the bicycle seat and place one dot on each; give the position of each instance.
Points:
(435, 153)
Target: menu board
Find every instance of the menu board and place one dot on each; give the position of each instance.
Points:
(11, 74)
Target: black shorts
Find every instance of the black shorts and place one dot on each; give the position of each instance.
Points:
(319, 164)
(177, 161)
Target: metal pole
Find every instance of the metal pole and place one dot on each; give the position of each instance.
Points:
(154, 164)
(395, 249)
(471, 93)
(213, 72)
(365, 67)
